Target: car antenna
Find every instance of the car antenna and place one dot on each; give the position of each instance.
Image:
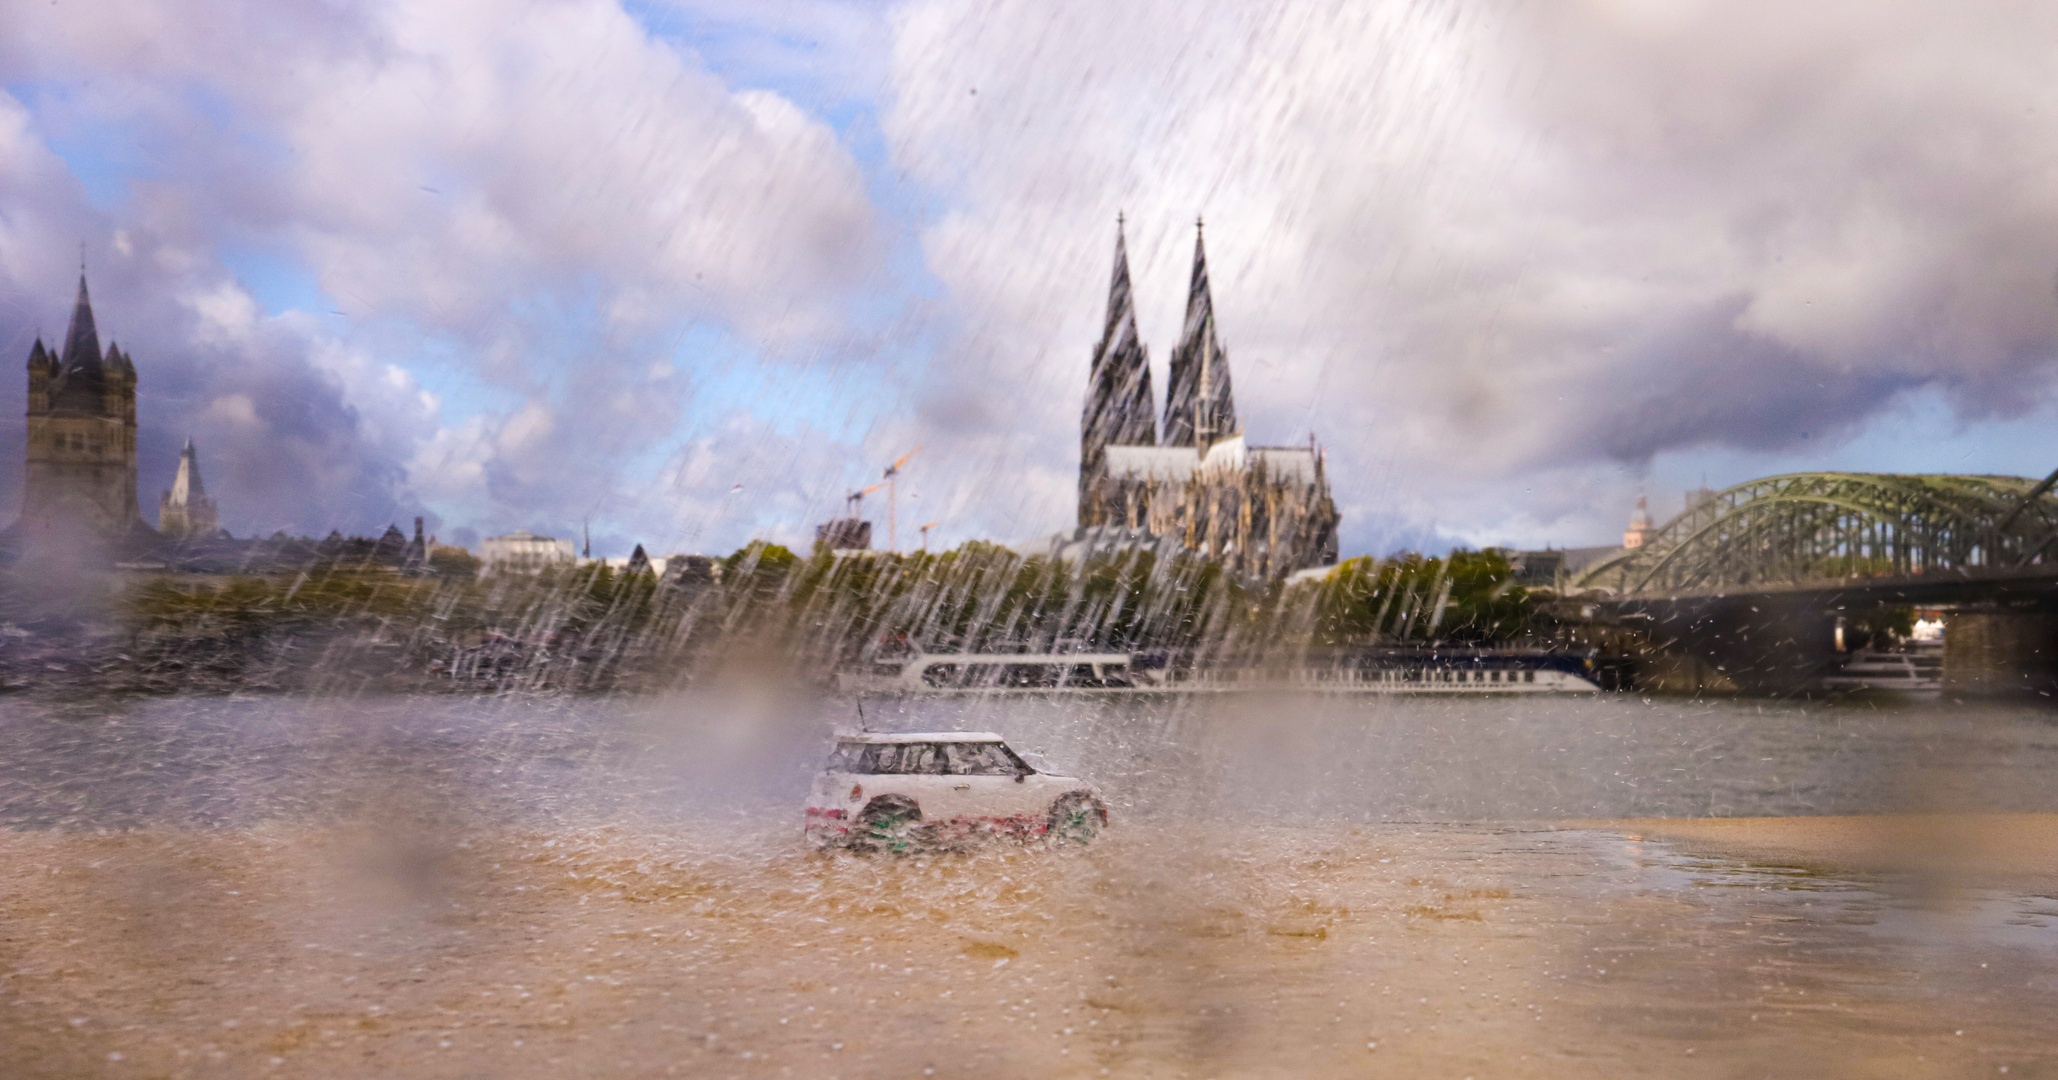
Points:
(862, 725)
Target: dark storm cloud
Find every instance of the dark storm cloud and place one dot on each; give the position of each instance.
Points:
(1707, 384)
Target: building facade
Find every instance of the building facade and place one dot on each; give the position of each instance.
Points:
(524, 552)
(1263, 511)
(81, 463)
(844, 534)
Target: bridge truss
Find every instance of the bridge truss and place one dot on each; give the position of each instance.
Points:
(1818, 527)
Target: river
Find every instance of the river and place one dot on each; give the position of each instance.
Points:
(1293, 886)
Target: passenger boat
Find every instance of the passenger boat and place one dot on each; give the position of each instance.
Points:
(1914, 671)
(1473, 672)
(972, 673)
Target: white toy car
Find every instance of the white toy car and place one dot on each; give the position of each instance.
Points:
(942, 790)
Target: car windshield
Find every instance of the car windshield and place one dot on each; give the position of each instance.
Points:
(934, 759)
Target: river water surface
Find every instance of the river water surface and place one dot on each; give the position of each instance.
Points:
(1293, 886)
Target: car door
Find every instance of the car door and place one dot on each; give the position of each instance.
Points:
(915, 770)
(898, 769)
(988, 776)
(956, 794)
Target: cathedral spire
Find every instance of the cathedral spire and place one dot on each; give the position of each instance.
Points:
(1120, 406)
(185, 512)
(186, 485)
(1199, 407)
(82, 341)
(1118, 334)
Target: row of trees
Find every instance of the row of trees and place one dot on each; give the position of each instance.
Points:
(589, 627)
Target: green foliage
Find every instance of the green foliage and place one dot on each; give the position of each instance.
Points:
(1467, 596)
(770, 605)
(760, 570)
(239, 605)
(453, 562)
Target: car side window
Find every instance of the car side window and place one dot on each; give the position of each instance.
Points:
(904, 759)
(926, 759)
(979, 759)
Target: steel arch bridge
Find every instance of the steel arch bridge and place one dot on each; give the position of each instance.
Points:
(1802, 528)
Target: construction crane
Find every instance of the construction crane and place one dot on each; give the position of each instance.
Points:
(893, 500)
(925, 534)
(854, 503)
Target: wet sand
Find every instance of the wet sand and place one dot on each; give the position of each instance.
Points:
(2018, 851)
(397, 951)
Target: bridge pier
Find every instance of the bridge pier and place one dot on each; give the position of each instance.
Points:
(1759, 643)
(2004, 653)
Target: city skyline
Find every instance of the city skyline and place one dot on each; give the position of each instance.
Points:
(1514, 268)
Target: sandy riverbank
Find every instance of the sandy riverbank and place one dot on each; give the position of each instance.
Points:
(396, 951)
(2012, 851)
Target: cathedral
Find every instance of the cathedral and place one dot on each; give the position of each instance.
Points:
(1262, 511)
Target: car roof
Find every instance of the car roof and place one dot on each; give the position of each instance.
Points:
(1023, 658)
(919, 736)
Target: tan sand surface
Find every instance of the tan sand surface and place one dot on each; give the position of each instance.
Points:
(2003, 850)
(393, 951)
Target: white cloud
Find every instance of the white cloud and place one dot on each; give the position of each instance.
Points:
(541, 194)
(1498, 254)
(232, 411)
(1474, 243)
(227, 313)
(475, 157)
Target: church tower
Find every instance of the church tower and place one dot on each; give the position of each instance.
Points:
(1120, 407)
(1199, 409)
(1258, 511)
(81, 467)
(185, 512)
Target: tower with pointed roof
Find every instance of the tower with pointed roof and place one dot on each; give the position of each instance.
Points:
(1259, 510)
(1199, 408)
(185, 512)
(1121, 409)
(1640, 528)
(81, 466)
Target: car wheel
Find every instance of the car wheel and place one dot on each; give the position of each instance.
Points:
(887, 823)
(1075, 819)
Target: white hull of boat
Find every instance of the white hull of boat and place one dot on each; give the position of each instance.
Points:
(1416, 681)
(951, 676)
(1920, 672)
